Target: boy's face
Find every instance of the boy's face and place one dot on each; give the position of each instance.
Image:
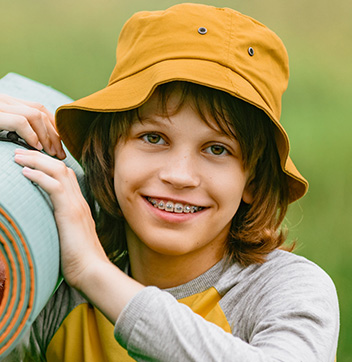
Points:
(183, 164)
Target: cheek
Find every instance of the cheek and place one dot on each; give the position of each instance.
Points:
(129, 175)
(229, 190)
(122, 176)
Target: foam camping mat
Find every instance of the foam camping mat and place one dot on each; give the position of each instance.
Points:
(29, 244)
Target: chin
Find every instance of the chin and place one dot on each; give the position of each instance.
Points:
(175, 250)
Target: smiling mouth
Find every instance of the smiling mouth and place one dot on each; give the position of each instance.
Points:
(175, 207)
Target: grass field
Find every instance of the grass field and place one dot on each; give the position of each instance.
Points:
(70, 45)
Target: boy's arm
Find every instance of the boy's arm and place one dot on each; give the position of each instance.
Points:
(108, 288)
(292, 317)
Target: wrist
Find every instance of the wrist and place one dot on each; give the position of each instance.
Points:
(108, 288)
(93, 275)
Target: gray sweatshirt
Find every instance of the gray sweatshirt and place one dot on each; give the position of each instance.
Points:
(283, 310)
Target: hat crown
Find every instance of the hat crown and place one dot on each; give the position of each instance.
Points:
(237, 42)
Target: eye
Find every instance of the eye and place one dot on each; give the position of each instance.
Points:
(153, 138)
(217, 150)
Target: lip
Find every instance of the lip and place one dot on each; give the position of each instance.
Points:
(171, 217)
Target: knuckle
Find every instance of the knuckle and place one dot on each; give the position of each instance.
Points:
(57, 188)
(35, 114)
(58, 169)
(61, 167)
(21, 121)
(39, 106)
(62, 170)
(71, 172)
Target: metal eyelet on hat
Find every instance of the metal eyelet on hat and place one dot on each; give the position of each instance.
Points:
(202, 30)
(251, 51)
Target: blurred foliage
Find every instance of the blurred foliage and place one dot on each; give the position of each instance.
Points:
(70, 45)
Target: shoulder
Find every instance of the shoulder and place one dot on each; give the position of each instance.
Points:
(285, 267)
(304, 280)
(284, 282)
(282, 268)
(287, 296)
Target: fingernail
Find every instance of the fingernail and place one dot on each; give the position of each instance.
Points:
(39, 146)
(26, 170)
(52, 150)
(18, 159)
(62, 154)
(19, 151)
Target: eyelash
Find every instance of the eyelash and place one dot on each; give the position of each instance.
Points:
(146, 138)
(224, 150)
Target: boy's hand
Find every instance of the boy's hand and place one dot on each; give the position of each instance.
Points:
(32, 122)
(80, 246)
(84, 263)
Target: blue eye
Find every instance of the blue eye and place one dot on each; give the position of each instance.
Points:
(217, 150)
(153, 138)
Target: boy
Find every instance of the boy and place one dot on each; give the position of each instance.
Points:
(190, 179)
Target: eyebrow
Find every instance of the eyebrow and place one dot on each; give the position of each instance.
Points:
(216, 130)
(153, 121)
(150, 120)
(147, 119)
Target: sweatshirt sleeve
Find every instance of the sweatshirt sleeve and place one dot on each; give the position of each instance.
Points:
(298, 322)
(154, 326)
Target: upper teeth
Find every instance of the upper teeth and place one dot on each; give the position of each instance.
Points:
(174, 207)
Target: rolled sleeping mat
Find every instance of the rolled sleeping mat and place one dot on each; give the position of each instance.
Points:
(29, 243)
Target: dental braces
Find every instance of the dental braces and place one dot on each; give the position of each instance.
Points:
(169, 206)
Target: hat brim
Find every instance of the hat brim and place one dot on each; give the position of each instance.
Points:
(73, 120)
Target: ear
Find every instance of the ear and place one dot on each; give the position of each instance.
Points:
(247, 195)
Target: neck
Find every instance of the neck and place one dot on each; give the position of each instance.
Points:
(166, 271)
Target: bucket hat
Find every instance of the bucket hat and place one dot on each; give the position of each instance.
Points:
(215, 47)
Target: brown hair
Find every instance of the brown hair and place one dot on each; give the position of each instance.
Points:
(255, 229)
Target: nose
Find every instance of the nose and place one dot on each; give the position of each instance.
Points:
(180, 171)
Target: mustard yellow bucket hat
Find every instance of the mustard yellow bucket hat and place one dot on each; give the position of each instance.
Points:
(215, 47)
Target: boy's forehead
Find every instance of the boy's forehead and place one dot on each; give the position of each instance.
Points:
(154, 111)
(157, 105)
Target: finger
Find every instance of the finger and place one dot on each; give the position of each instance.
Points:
(43, 124)
(4, 98)
(56, 144)
(46, 182)
(58, 180)
(36, 120)
(40, 124)
(42, 109)
(61, 193)
(19, 124)
(39, 161)
(52, 167)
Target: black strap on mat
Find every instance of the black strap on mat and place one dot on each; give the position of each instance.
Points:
(13, 137)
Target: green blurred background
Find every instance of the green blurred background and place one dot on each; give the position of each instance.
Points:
(70, 45)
